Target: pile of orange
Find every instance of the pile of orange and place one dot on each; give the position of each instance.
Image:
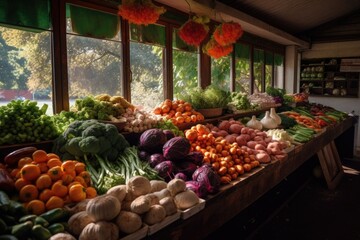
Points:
(45, 182)
(178, 111)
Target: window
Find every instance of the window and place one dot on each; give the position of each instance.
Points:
(242, 68)
(258, 70)
(278, 70)
(94, 53)
(269, 62)
(220, 72)
(146, 59)
(25, 53)
(185, 65)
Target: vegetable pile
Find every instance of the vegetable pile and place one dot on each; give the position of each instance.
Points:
(24, 122)
(178, 112)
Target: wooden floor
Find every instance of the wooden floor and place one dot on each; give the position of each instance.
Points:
(302, 207)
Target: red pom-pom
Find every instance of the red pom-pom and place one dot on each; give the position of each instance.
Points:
(215, 50)
(227, 33)
(193, 33)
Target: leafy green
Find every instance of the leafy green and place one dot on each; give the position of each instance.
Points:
(210, 97)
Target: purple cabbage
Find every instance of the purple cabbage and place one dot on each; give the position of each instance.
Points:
(198, 188)
(195, 157)
(155, 159)
(206, 176)
(165, 170)
(182, 176)
(176, 148)
(143, 155)
(152, 140)
(169, 134)
(186, 167)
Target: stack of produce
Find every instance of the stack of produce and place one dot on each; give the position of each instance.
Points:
(104, 107)
(262, 100)
(126, 208)
(171, 157)
(178, 111)
(17, 223)
(106, 153)
(239, 103)
(24, 122)
(254, 142)
(44, 182)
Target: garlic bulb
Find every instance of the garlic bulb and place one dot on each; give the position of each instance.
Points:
(274, 115)
(268, 122)
(254, 123)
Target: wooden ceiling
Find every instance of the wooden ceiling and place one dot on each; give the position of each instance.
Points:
(311, 20)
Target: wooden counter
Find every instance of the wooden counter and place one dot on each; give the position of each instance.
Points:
(238, 195)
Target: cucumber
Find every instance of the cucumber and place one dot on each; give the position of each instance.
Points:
(9, 220)
(16, 208)
(22, 230)
(55, 215)
(8, 237)
(3, 226)
(4, 201)
(56, 228)
(42, 221)
(30, 217)
(40, 233)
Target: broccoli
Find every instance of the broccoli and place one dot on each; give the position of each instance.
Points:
(97, 144)
(89, 144)
(72, 147)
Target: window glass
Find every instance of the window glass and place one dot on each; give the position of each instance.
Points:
(269, 61)
(94, 64)
(185, 65)
(220, 72)
(278, 70)
(242, 68)
(258, 70)
(25, 66)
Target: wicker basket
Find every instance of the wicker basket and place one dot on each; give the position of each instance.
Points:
(211, 112)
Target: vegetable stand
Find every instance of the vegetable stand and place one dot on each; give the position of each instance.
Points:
(238, 195)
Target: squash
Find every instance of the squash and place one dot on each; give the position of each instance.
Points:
(99, 231)
(78, 221)
(141, 204)
(155, 214)
(118, 191)
(186, 199)
(128, 222)
(157, 185)
(138, 185)
(104, 207)
(176, 186)
(62, 236)
(169, 205)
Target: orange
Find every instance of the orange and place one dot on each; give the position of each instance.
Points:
(40, 156)
(30, 172)
(36, 207)
(28, 192)
(43, 181)
(77, 193)
(54, 202)
(59, 189)
(46, 194)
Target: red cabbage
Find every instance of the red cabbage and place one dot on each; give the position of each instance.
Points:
(205, 175)
(152, 140)
(169, 134)
(143, 155)
(186, 167)
(176, 148)
(180, 175)
(198, 188)
(155, 159)
(165, 170)
(195, 157)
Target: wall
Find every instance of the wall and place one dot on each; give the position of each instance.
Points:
(339, 49)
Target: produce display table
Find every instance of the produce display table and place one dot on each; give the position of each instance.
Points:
(238, 195)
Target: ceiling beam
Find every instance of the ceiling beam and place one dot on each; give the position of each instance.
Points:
(221, 12)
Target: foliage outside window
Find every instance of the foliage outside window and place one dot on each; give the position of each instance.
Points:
(94, 65)
(242, 68)
(185, 65)
(220, 72)
(258, 70)
(269, 62)
(25, 53)
(146, 64)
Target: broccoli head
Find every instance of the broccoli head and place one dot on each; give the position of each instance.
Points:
(95, 130)
(121, 143)
(111, 154)
(72, 146)
(89, 144)
(105, 145)
(111, 133)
